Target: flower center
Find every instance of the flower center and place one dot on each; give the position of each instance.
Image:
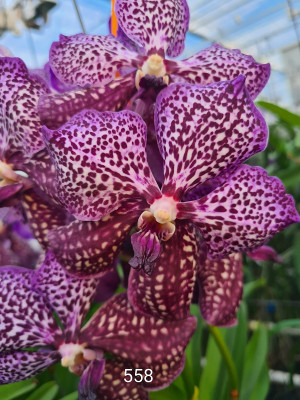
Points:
(164, 209)
(73, 354)
(7, 174)
(154, 65)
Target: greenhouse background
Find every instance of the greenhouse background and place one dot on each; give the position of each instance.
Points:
(265, 345)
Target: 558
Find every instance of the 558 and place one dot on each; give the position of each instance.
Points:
(138, 375)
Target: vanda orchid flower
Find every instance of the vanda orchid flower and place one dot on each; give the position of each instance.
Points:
(110, 69)
(22, 149)
(202, 132)
(28, 301)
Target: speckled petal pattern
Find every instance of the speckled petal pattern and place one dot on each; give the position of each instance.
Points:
(221, 289)
(42, 216)
(243, 214)
(203, 130)
(217, 63)
(56, 109)
(18, 365)
(41, 171)
(100, 161)
(19, 120)
(25, 319)
(90, 248)
(70, 297)
(167, 293)
(118, 329)
(85, 60)
(112, 385)
(160, 27)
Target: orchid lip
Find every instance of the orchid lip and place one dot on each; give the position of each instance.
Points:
(164, 209)
(154, 65)
(9, 176)
(74, 353)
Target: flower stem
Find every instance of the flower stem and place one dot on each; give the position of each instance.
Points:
(220, 342)
(79, 16)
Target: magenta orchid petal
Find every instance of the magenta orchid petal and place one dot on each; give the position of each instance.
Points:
(210, 185)
(89, 381)
(25, 319)
(112, 385)
(8, 191)
(69, 297)
(107, 286)
(167, 293)
(100, 161)
(126, 41)
(54, 82)
(56, 109)
(159, 27)
(146, 248)
(42, 216)
(145, 341)
(85, 60)
(217, 63)
(41, 171)
(221, 289)
(265, 253)
(204, 130)
(243, 214)
(88, 249)
(20, 124)
(18, 365)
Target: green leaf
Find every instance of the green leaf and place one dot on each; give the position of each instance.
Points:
(45, 392)
(281, 113)
(66, 381)
(262, 387)
(296, 257)
(71, 396)
(256, 352)
(251, 287)
(287, 323)
(193, 351)
(170, 393)
(236, 340)
(187, 376)
(209, 375)
(14, 390)
(290, 176)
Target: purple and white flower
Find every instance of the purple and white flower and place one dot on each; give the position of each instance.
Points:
(28, 300)
(109, 70)
(202, 132)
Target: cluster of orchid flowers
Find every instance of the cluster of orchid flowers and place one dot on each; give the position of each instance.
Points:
(112, 139)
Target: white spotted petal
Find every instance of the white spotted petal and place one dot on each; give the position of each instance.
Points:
(204, 130)
(100, 161)
(242, 214)
(158, 26)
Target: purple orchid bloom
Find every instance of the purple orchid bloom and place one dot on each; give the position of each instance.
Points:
(22, 149)
(28, 300)
(110, 69)
(202, 132)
